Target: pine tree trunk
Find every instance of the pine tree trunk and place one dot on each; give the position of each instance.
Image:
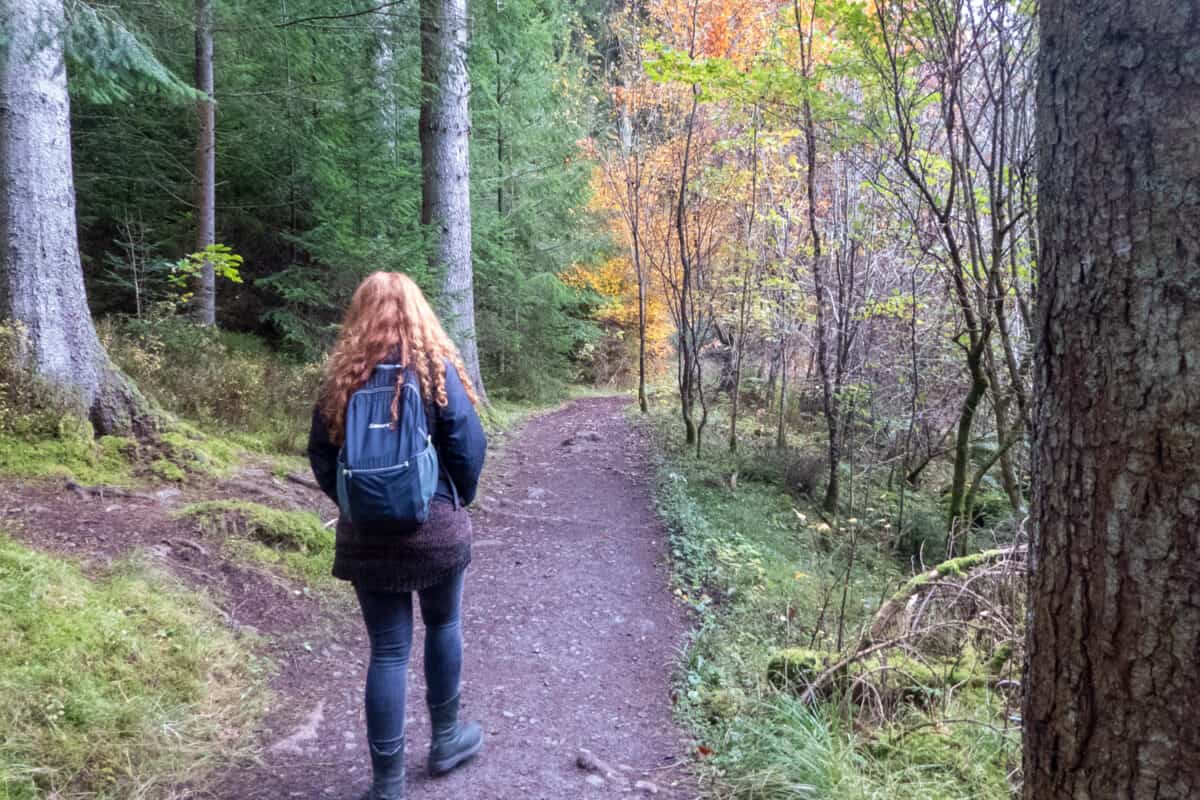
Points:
(41, 282)
(445, 125)
(1114, 641)
(206, 163)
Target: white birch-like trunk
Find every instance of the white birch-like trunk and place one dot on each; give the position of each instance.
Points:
(41, 280)
(445, 126)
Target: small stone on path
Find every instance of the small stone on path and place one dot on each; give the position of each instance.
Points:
(306, 732)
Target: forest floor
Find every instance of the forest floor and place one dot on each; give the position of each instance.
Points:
(571, 630)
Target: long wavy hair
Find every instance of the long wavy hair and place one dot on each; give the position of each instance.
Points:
(388, 318)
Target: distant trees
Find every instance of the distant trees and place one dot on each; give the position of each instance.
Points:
(319, 179)
(1114, 644)
(856, 189)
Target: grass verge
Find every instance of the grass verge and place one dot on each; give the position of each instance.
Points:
(120, 686)
(767, 575)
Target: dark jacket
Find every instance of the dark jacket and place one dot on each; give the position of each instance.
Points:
(421, 557)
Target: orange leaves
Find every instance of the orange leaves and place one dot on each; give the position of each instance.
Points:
(733, 29)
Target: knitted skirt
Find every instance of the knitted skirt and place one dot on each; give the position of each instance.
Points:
(401, 561)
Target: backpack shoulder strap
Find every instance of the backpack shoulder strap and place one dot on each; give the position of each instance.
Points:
(431, 427)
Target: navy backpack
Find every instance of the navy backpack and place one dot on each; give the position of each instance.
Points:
(387, 472)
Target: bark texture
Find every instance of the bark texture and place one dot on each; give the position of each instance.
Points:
(206, 162)
(445, 127)
(1114, 640)
(41, 281)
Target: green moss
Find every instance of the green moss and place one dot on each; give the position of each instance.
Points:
(1000, 658)
(722, 704)
(118, 447)
(167, 470)
(282, 466)
(954, 568)
(72, 453)
(970, 757)
(295, 540)
(795, 667)
(766, 573)
(197, 452)
(957, 567)
(114, 687)
(233, 386)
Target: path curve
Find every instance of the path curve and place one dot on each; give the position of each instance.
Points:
(571, 638)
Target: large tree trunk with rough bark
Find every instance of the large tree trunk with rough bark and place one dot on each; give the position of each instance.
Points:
(41, 281)
(1114, 642)
(445, 125)
(206, 163)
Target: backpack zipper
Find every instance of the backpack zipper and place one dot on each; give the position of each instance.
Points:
(349, 473)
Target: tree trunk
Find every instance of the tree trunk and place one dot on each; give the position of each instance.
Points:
(641, 281)
(781, 430)
(206, 163)
(445, 126)
(687, 326)
(958, 521)
(41, 282)
(1114, 639)
(744, 305)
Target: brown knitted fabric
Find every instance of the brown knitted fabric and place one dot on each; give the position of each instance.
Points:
(401, 561)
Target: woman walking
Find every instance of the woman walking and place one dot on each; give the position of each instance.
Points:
(390, 326)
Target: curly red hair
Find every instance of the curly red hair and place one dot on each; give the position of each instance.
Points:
(388, 318)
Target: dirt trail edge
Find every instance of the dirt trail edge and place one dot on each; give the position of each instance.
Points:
(571, 636)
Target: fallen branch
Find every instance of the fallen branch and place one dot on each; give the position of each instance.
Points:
(185, 543)
(588, 761)
(101, 491)
(303, 481)
(890, 610)
(810, 693)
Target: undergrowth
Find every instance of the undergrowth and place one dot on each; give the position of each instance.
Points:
(769, 576)
(229, 384)
(118, 686)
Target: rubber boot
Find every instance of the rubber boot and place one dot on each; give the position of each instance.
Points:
(387, 775)
(452, 743)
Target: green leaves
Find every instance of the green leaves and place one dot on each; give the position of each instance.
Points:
(225, 263)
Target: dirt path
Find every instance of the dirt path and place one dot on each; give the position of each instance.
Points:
(571, 635)
(571, 631)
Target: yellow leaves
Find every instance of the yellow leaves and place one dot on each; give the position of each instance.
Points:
(615, 280)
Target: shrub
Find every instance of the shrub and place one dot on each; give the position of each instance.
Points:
(230, 383)
(801, 472)
(804, 473)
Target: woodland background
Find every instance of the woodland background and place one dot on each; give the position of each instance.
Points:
(804, 234)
